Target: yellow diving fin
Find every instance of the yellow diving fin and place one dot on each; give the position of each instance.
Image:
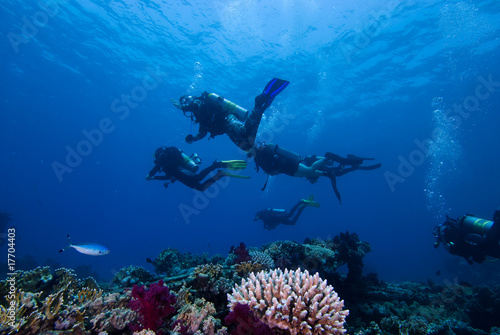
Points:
(234, 164)
(309, 202)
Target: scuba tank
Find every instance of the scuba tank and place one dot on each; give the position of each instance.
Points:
(191, 162)
(229, 107)
(477, 225)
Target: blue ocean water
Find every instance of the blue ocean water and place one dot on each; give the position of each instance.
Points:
(85, 102)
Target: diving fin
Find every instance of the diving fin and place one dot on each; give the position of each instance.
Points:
(369, 167)
(274, 87)
(357, 160)
(333, 180)
(234, 164)
(309, 202)
(227, 174)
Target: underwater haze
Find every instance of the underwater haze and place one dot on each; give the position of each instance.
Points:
(86, 89)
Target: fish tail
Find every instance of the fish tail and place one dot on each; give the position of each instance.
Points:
(69, 246)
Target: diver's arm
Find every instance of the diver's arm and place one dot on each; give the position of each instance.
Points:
(153, 171)
(202, 132)
(161, 178)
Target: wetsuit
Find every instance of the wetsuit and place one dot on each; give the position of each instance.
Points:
(462, 241)
(273, 217)
(212, 118)
(171, 164)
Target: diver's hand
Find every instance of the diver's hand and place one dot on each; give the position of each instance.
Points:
(189, 139)
(148, 177)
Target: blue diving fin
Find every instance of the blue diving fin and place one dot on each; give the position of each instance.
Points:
(274, 87)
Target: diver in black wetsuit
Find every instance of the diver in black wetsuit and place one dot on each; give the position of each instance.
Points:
(176, 165)
(273, 216)
(470, 237)
(220, 116)
(274, 159)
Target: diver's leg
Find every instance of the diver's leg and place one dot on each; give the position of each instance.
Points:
(203, 173)
(294, 208)
(308, 172)
(319, 163)
(207, 183)
(188, 178)
(239, 133)
(193, 180)
(296, 217)
(337, 158)
(342, 171)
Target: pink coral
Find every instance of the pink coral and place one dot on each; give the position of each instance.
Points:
(241, 252)
(246, 322)
(293, 301)
(152, 305)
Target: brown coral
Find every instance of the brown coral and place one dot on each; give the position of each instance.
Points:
(88, 294)
(292, 300)
(210, 270)
(244, 268)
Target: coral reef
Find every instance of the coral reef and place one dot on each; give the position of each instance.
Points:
(210, 270)
(46, 280)
(171, 262)
(197, 318)
(262, 258)
(313, 257)
(65, 309)
(351, 251)
(153, 305)
(415, 308)
(244, 268)
(57, 301)
(145, 332)
(293, 301)
(245, 321)
(131, 275)
(242, 254)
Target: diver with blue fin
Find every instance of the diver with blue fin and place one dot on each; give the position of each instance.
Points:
(274, 160)
(176, 165)
(219, 116)
(274, 216)
(471, 237)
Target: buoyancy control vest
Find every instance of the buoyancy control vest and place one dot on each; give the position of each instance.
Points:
(275, 160)
(169, 158)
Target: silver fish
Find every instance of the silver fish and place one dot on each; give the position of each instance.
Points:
(91, 249)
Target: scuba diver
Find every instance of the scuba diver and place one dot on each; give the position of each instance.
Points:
(470, 237)
(273, 216)
(274, 160)
(176, 165)
(221, 116)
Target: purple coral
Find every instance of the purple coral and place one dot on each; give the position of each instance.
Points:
(246, 322)
(152, 305)
(241, 252)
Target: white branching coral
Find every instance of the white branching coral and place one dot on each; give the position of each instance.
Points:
(292, 300)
